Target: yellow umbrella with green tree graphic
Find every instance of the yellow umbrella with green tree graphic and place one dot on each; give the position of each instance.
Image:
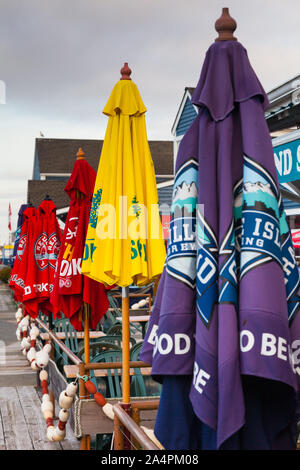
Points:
(124, 243)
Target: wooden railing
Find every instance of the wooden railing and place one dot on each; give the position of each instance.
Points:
(60, 343)
(123, 421)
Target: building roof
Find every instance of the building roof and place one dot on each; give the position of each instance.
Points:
(283, 114)
(57, 156)
(37, 190)
(185, 107)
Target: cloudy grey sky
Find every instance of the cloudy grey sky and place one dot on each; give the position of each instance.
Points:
(59, 60)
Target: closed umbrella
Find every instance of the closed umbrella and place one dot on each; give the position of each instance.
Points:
(43, 248)
(125, 235)
(224, 334)
(20, 222)
(19, 270)
(71, 289)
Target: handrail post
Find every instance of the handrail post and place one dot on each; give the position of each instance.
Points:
(127, 444)
(51, 342)
(84, 441)
(135, 431)
(118, 434)
(135, 414)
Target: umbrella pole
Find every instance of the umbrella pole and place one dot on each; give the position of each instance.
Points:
(125, 360)
(125, 345)
(86, 316)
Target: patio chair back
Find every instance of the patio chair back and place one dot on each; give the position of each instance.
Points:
(142, 385)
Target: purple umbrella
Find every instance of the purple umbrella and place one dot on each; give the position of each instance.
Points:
(224, 336)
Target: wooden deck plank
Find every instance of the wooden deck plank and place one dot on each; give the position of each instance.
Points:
(70, 442)
(36, 425)
(2, 440)
(16, 435)
(22, 426)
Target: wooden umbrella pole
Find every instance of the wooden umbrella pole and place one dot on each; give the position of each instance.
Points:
(85, 312)
(125, 345)
(125, 361)
(86, 319)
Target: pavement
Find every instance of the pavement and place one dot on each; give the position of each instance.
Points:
(14, 367)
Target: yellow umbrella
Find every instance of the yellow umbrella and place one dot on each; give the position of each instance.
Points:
(125, 239)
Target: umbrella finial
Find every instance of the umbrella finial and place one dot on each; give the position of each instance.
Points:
(125, 72)
(225, 26)
(80, 154)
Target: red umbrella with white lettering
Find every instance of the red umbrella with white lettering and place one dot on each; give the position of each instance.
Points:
(71, 289)
(43, 248)
(296, 238)
(18, 273)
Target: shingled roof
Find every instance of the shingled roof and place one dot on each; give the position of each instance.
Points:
(37, 190)
(58, 155)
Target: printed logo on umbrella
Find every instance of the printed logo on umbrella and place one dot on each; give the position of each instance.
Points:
(21, 246)
(46, 251)
(94, 208)
(53, 250)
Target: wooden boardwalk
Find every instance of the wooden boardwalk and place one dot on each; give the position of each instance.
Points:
(22, 426)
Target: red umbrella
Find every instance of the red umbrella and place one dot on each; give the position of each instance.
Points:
(18, 273)
(71, 288)
(43, 249)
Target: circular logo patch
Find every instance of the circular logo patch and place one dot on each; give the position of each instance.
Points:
(21, 246)
(53, 250)
(40, 251)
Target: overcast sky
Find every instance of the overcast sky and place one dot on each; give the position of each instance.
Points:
(59, 60)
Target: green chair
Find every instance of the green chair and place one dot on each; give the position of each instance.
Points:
(111, 314)
(45, 319)
(114, 389)
(115, 329)
(142, 385)
(63, 325)
(98, 347)
(117, 339)
(103, 343)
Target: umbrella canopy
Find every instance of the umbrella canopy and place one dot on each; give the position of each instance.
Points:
(124, 241)
(43, 248)
(20, 222)
(19, 270)
(71, 289)
(225, 330)
(125, 230)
